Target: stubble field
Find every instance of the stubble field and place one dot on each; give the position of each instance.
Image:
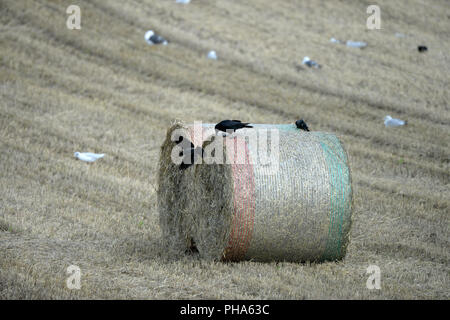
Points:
(103, 89)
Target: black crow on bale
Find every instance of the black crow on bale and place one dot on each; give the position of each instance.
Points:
(301, 124)
(189, 152)
(231, 126)
(190, 156)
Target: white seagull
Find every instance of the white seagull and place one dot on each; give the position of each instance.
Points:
(392, 122)
(356, 44)
(310, 63)
(333, 40)
(212, 55)
(88, 156)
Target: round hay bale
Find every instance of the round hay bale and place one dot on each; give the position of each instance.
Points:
(246, 210)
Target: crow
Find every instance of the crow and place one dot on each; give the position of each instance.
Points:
(301, 124)
(231, 125)
(189, 152)
(190, 156)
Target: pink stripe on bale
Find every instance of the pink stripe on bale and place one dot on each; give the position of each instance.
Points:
(244, 203)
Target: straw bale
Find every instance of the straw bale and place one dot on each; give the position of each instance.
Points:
(300, 211)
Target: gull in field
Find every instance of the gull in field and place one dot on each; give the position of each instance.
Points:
(350, 43)
(392, 122)
(153, 38)
(310, 63)
(88, 156)
(356, 44)
(333, 40)
(212, 55)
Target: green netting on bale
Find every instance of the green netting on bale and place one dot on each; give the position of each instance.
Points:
(341, 196)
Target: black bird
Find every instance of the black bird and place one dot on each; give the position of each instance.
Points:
(422, 48)
(190, 156)
(188, 151)
(231, 125)
(301, 124)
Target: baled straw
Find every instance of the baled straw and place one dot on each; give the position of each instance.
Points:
(243, 211)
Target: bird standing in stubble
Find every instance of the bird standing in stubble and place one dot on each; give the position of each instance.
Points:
(153, 38)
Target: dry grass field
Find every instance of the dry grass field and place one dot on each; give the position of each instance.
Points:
(103, 89)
